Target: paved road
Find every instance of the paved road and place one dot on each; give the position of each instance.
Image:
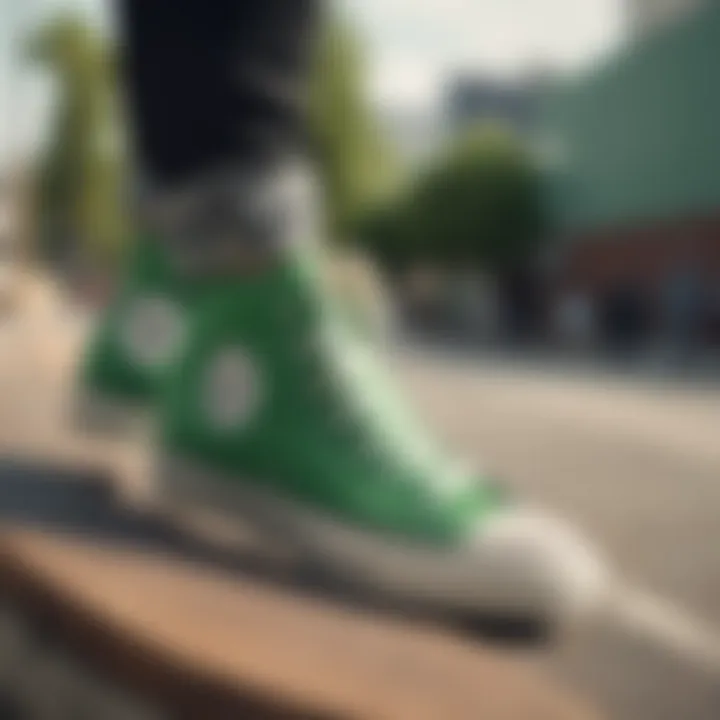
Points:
(636, 465)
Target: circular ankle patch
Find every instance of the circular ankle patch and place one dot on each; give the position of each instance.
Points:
(152, 331)
(231, 389)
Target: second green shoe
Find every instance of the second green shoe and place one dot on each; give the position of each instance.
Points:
(137, 338)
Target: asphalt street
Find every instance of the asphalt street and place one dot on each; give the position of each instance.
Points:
(636, 465)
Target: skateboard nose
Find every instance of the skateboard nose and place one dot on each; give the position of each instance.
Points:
(539, 564)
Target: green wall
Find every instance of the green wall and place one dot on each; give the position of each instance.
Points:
(638, 139)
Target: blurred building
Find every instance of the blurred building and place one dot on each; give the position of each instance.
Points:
(633, 161)
(650, 15)
(472, 99)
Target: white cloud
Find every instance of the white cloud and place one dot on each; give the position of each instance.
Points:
(414, 43)
(405, 81)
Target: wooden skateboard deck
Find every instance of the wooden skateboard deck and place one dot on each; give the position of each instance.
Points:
(120, 601)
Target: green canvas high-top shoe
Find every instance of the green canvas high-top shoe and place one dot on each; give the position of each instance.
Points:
(278, 414)
(273, 408)
(136, 339)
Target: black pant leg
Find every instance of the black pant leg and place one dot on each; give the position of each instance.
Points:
(214, 83)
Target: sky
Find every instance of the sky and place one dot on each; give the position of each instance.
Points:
(411, 46)
(414, 44)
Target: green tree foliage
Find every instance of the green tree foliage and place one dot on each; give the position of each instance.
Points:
(81, 171)
(479, 204)
(354, 161)
(384, 232)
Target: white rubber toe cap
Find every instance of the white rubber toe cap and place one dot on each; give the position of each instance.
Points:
(529, 562)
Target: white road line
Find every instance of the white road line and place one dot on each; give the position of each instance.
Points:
(674, 628)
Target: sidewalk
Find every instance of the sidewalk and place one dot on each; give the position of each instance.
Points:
(645, 366)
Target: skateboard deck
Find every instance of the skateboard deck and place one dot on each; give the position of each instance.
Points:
(124, 615)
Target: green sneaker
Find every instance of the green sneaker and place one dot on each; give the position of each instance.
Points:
(141, 333)
(136, 340)
(277, 413)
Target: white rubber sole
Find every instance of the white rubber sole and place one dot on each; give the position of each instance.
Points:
(520, 564)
